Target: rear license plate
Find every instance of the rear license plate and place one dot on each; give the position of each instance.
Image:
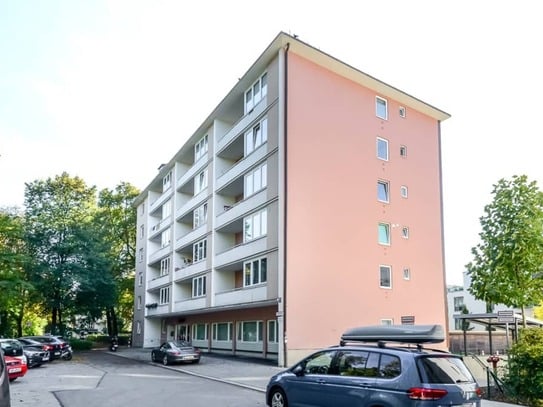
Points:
(188, 357)
(14, 370)
(57, 353)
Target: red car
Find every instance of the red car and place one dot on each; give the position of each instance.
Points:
(15, 367)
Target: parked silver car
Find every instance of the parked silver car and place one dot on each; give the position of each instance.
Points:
(5, 400)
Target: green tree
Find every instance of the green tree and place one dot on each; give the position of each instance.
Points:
(116, 219)
(507, 263)
(57, 212)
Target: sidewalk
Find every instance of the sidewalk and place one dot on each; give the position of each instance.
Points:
(250, 373)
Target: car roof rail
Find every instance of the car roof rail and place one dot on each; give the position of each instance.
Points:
(383, 334)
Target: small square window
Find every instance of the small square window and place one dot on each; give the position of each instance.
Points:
(403, 151)
(402, 111)
(387, 321)
(403, 191)
(405, 232)
(406, 274)
(381, 110)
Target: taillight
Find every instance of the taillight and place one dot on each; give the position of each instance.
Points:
(421, 393)
(479, 392)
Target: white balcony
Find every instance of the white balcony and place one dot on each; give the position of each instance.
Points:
(241, 125)
(191, 236)
(241, 208)
(160, 253)
(242, 166)
(159, 310)
(192, 203)
(160, 200)
(190, 270)
(241, 296)
(158, 282)
(189, 304)
(193, 171)
(241, 251)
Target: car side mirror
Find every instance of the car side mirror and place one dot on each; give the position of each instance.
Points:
(298, 370)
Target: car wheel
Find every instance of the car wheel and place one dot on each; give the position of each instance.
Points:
(165, 360)
(278, 398)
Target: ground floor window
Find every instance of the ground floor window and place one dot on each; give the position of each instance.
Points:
(199, 332)
(222, 331)
(273, 332)
(250, 331)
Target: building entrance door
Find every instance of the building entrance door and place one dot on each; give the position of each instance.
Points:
(183, 332)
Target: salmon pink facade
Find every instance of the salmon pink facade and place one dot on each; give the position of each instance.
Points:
(308, 202)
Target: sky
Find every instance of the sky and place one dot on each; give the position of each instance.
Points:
(109, 90)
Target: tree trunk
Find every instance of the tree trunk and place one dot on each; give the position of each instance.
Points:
(523, 316)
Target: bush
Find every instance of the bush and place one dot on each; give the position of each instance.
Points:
(80, 344)
(524, 375)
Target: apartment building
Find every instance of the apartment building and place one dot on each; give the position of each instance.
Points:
(309, 201)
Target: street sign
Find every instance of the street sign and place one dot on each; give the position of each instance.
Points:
(506, 316)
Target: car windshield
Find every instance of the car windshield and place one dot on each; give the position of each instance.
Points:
(444, 370)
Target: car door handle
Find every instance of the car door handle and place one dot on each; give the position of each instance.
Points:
(321, 381)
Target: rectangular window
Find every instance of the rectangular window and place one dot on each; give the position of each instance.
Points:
(403, 151)
(165, 238)
(199, 332)
(142, 231)
(200, 182)
(222, 331)
(256, 180)
(256, 136)
(138, 327)
(381, 109)
(385, 276)
(250, 331)
(166, 181)
(406, 274)
(199, 286)
(382, 149)
(139, 302)
(164, 295)
(403, 191)
(199, 251)
(255, 272)
(140, 279)
(200, 216)
(167, 209)
(165, 267)
(255, 225)
(384, 233)
(458, 303)
(402, 111)
(142, 208)
(256, 93)
(200, 148)
(382, 191)
(140, 254)
(273, 331)
(405, 232)
(387, 321)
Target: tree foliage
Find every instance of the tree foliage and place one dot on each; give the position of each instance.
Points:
(507, 263)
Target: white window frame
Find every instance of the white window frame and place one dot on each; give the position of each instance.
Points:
(256, 92)
(273, 331)
(200, 182)
(458, 303)
(255, 225)
(403, 151)
(256, 136)
(387, 321)
(138, 327)
(201, 148)
(380, 105)
(199, 288)
(384, 228)
(382, 141)
(142, 231)
(405, 232)
(167, 181)
(164, 296)
(403, 191)
(165, 265)
(166, 209)
(407, 273)
(243, 336)
(256, 180)
(199, 251)
(165, 237)
(140, 279)
(255, 272)
(384, 186)
(215, 331)
(196, 332)
(385, 268)
(140, 254)
(200, 216)
(139, 303)
(402, 111)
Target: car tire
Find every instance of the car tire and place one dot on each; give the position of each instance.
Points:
(278, 398)
(165, 360)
